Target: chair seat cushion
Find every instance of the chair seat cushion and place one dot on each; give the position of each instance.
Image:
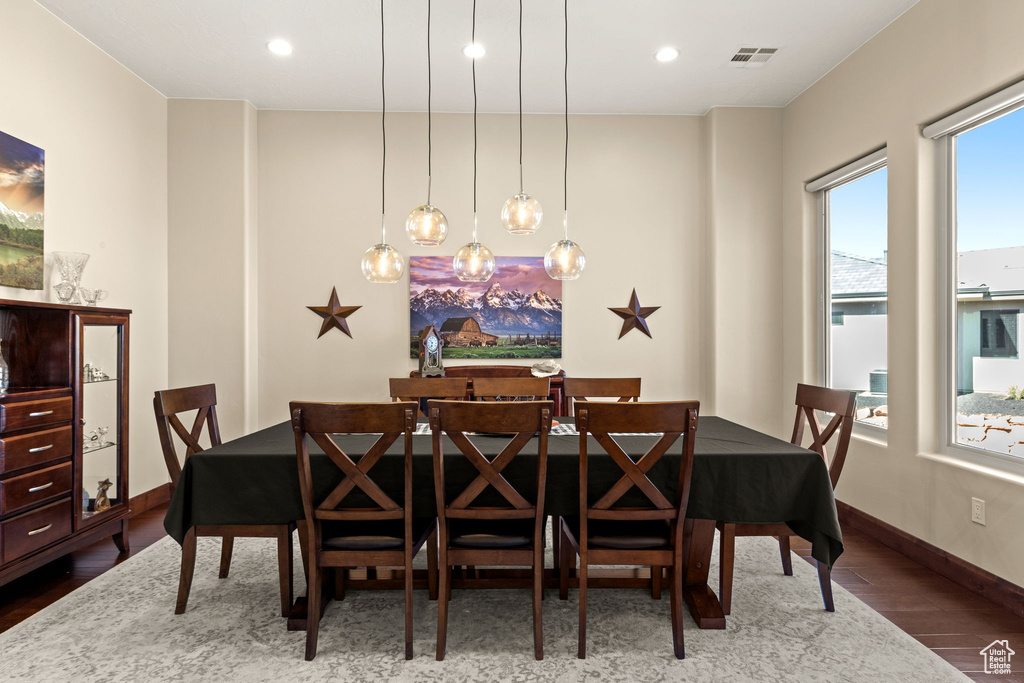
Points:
(624, 535)
(472, 533)
(370, 535)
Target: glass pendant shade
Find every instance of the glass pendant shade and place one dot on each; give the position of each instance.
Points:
(383, 263)
(565, 260)
(473, 263)
(426, 226)
(522, 214)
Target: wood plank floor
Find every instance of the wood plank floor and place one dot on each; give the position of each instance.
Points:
(945, 617)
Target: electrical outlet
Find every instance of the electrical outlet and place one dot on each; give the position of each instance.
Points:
(978, 511)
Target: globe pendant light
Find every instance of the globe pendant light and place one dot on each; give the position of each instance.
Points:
(474, 262)
(565, 259)
(426, 224)
(382, 262)
(521, 214)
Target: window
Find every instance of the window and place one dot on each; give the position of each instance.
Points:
(999, 334)
(853, 210)
(983, 206)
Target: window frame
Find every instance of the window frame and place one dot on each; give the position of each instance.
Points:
(944, 132)
(820, 188)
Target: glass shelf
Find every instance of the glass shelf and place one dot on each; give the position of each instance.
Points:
(98, 381)
(87, 448)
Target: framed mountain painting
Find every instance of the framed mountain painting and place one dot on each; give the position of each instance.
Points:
(516, 314)
(21, 213)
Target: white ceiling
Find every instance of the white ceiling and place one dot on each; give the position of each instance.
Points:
(217, 49)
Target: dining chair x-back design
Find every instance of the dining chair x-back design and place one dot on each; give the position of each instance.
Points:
(809, 401)
(168, 405)
(371, 528)
(509, 529)
(644, 530)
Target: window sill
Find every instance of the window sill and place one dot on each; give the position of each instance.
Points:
(879, 436)
(1005, 467)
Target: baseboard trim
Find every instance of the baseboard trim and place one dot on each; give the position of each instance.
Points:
(149, 499)
(1008, 595)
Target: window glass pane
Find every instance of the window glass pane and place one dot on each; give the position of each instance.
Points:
(990, 285)
(858, 236)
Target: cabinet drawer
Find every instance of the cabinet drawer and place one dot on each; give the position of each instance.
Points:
(25, 533)
(26, 450)
(34, 413)
(17, 493)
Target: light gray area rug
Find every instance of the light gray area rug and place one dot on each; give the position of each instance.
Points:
(121, 627)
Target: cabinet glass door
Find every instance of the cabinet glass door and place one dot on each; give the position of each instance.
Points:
(101, 489)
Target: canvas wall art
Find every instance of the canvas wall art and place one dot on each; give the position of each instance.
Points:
(516, 314)
(21, 213)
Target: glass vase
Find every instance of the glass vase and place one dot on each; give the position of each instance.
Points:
(70, 265)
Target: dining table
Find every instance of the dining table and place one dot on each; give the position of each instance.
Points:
(739, 475)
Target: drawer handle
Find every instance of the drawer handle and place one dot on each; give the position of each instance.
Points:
(41, 448)
(40, 488)
(41, 413)
(39, 531)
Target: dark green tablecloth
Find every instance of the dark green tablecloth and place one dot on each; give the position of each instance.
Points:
(739, 475)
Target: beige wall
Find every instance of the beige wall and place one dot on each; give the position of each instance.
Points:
(635, 207)
(936, 58)
(743, 176)
(211, 252)
(105, 136)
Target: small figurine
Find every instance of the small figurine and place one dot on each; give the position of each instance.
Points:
(102, 502)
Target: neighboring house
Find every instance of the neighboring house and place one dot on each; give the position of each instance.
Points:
(990, 297)
(465, 332)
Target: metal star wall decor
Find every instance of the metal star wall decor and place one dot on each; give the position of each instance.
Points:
(334, 314)
(634, 316)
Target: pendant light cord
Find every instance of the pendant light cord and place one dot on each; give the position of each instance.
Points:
(383, 129)
(565, 168)
(474, 122)
(430, 128)
(520, 96)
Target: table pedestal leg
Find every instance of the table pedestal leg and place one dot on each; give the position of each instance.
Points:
(704, 606)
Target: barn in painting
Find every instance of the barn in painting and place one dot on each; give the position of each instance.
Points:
(465, 332)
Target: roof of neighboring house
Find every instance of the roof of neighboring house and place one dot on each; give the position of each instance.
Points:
(991, 271)
(857, 275)
(456, 324)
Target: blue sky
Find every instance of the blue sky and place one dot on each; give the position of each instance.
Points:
(990, 195)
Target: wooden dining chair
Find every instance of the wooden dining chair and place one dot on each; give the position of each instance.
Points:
(416, 388)
(841, 404)
(622, 389)
(511, 388)
(644, 529)
(168, 405)
(507, 526)
(359, 523)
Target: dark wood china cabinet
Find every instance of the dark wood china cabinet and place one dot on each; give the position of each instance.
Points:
(63, 432)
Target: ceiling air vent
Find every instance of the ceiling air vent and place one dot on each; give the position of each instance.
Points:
(749, 57)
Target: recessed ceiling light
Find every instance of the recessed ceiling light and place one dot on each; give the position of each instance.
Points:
(666, 54)
(279, 46)
(474, 50)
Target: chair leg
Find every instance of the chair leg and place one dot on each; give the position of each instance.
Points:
(676, 598)
(313, 610)
(656, 582)
(727, 559)
(284, 568)
(538, 595)
(339, 582)
(227, 545)
(563, 565)
(825, 579)
(408, 598)
(432, 565)
(304, 547)
(443, 596)
(582, 645)
(787, 556)
(188, 566)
